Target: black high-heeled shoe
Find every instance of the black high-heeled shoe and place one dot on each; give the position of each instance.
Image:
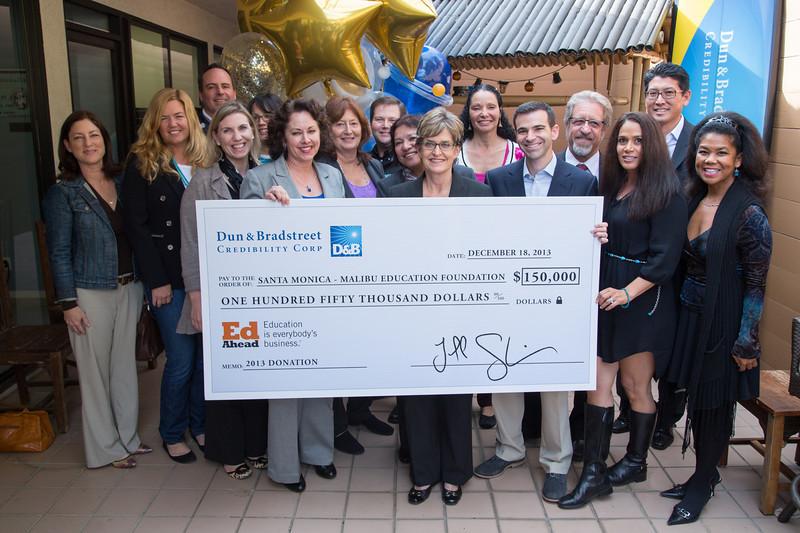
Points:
(325, 471)
(417, 496)
(451, 497)
(678, 492)
(688, 512)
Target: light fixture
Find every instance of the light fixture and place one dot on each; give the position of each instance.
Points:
(502, 85)
(556, 77)
(529, 86)
(457, 75)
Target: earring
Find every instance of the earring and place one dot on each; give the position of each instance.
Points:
(736, 172)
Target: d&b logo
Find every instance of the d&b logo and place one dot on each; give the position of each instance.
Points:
(346, 241)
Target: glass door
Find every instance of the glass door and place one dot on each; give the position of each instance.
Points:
(20, 180)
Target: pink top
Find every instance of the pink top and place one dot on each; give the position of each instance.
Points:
(512, 153)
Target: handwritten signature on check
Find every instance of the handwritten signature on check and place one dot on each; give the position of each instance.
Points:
(490, 343)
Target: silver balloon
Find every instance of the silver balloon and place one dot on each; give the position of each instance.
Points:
(256, 64)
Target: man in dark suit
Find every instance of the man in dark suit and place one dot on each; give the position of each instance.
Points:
(216, 89)
(586, 120)
(666, 90)
(540, 173)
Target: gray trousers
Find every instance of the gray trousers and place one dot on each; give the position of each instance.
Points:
(555, 451)
(300, 431)
(106, 357)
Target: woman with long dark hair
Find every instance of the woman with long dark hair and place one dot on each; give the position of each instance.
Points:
(646, 217)
(726, 259)
(262, 108)
(92, 265)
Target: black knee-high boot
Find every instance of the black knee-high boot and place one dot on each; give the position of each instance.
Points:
(633, 467)
(712, 430)
(597, 438)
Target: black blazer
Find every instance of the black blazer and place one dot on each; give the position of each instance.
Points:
(562, 156)
(374, 171)
(151, 211)
(680, 152)
(204, 122)
(460, 188)
(567, 181)
(396, 177)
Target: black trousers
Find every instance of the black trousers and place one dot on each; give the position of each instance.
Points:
(577, 414)
(357, 412)
(236, 429)
(439, 438)
(532, 417)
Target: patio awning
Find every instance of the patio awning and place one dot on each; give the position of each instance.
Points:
(529, 33)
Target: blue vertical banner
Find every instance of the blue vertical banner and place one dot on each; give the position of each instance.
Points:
(730, 50)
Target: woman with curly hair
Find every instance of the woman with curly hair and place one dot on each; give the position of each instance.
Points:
(171, 143)
(726, 258)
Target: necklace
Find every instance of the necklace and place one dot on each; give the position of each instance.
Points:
(709, 205)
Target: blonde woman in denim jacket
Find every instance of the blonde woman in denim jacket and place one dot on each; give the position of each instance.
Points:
(92, 266)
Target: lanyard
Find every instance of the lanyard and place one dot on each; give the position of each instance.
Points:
(184, 179)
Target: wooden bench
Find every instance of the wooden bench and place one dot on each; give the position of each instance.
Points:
(772, 407)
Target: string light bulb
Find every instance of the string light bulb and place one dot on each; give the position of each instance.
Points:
(457, 75)
(502, 86)
(529, 86)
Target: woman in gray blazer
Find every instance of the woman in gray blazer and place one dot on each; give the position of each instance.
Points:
(236, 430)
(439, 429)
(300, 429)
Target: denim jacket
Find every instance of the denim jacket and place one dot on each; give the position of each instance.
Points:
(80, 240)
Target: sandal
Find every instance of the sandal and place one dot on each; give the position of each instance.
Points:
(242, 472)
(259, 463)
(125, 462)
(143, 449)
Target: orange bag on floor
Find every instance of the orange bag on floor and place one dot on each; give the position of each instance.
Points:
(25, 431)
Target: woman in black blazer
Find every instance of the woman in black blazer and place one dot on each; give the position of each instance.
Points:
(171, 143)
(439, 428)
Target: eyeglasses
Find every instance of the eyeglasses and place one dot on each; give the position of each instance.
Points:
(446, 147)
(581, 122)
(258, 117)
(668, 94)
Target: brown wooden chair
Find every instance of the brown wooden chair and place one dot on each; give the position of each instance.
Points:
(43, 346)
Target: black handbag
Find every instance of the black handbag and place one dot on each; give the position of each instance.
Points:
(148, 338)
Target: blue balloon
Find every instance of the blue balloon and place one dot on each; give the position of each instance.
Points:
(417, 94)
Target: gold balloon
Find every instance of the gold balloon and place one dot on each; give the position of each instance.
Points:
(256, 66)
(400, 31)
(320, 39)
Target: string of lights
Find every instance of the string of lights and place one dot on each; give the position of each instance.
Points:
(502, 85)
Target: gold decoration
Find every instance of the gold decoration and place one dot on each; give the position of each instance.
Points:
(256, 66)
(400, 31)
(320, 39)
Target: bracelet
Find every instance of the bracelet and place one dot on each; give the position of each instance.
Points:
(628, 296)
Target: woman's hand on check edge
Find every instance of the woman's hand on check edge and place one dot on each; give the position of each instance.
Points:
(276, 193)
(611, 298)
(600, 232)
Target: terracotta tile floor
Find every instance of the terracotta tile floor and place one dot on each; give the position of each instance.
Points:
(53, 491)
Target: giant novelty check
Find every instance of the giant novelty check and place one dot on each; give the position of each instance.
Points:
(398, 296)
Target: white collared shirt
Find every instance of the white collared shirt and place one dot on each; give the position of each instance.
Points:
(672, 137)
(593, 162)
(539, 184)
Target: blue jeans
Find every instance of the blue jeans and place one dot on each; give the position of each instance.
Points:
(182, 396)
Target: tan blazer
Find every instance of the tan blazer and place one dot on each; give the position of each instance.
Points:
(206, 184)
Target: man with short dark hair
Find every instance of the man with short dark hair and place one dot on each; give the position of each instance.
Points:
(667, 93)
(383, 112)
(540, 173)
(216, 89)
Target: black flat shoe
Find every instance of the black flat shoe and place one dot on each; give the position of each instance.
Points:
(186, 458)
(300, 486)
(487, 422)
(325, 471)
(377, 426)
(678, 492)
(394, 415)
(201, 446)
(681, 515)
(347, 443)
(621, 425)
(662, 438)
(417, 496)
(451, 497)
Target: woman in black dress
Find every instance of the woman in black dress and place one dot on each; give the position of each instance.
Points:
(726, 258)
(646, 215)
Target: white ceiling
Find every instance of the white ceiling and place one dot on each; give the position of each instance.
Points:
(225, 9)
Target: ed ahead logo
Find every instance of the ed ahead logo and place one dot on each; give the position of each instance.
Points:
(346, 241)
(235, 335)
